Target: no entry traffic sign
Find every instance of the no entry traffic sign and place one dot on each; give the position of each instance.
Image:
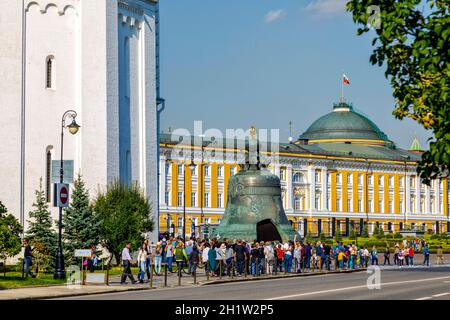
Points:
(61, 195)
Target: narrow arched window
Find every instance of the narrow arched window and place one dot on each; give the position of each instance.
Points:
(50, 70)
(48, 175)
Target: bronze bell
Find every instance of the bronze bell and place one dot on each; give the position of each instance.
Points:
(254, 208)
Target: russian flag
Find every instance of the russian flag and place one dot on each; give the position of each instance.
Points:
(345, 79)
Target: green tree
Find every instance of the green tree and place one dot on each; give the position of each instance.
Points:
(80, 225)
(365, 231)
(352, 235)
(41, 233)
(413, 40)
(124, 215)
(10, 231)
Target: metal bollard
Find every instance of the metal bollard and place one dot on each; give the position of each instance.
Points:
(220, 269)
(179, 274)
(165, 274)
(207, 270)
(245, 266)
(151, 275)
(195, 274)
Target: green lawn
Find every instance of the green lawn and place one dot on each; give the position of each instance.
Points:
(14, 280)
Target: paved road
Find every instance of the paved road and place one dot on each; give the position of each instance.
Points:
(407, 283)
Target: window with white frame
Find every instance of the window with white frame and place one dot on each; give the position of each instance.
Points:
(206, 200)
(413, 204)
(401, 181)
(297, 202)
(298, 177)
(317, 177)
(339, 204)
(219, 200)
(401, 206)
(391, 182)
(360, 179)
(168, 165)
(349, 205)
(370, 205)
(380, 206)
(349, 178)
(233, 170)
(338, 178)
(380, 181)
(370, 180)
(282, 177)
(180, 226)
(166, 197)
(391, 206)
(180, 199)
(180, 169)
(328, 179)
(193, 199)
(360, 208)
(317, 202)
(329, 202)
(206, 170)
(220, 171)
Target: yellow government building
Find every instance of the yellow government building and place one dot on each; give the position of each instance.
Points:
(343, 171)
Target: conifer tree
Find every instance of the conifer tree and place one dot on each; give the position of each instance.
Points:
(80, 226)
(41, 233)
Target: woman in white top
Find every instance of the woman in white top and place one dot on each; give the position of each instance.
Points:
(142, 261)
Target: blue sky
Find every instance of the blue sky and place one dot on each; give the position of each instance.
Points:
(237, 63)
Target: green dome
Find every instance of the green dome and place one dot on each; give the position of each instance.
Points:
(343, 123)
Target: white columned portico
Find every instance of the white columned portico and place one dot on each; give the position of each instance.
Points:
(289, 189)
(408, 194)
(324, 188)
(312, 187)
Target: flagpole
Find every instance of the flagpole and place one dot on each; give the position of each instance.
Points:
(342, 88)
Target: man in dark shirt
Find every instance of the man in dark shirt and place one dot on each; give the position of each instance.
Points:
(239, 254)
(27, 258)
(254, 258)
(326, 252)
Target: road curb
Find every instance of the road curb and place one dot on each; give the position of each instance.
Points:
(74, 294)
(284, 276)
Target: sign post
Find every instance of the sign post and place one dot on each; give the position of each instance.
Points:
(61, 195)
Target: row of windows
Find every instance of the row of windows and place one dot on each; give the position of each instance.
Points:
(207, 168)
(206, 199)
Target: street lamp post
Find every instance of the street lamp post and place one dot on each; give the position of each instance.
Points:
(73, 128)
(192, 168)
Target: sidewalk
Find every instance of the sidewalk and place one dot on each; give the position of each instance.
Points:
(59, 291)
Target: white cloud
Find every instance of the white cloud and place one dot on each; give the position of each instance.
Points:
(327, 7)
(274, 15)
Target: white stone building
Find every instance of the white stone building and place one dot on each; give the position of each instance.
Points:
(97, 57)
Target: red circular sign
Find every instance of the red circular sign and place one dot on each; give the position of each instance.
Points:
(63, 195)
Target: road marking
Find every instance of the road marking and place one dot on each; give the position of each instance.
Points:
(441, 294)
(354, 287)
(425, 298)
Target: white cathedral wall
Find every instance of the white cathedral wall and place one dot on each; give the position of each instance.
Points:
(10, 102)
(83, 37)
(50, 33)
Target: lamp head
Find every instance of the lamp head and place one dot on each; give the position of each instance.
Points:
(73, 127)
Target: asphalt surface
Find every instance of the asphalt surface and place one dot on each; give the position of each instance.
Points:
(418, 283)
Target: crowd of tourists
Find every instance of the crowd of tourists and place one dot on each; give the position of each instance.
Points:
(252, 258)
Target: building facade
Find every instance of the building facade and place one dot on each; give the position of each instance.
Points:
(342, 173)
(99, 58)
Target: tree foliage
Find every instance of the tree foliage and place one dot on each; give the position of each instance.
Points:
(80, 225)
(10, 231)
(124, 215)
(413, 41)
(41, 233)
